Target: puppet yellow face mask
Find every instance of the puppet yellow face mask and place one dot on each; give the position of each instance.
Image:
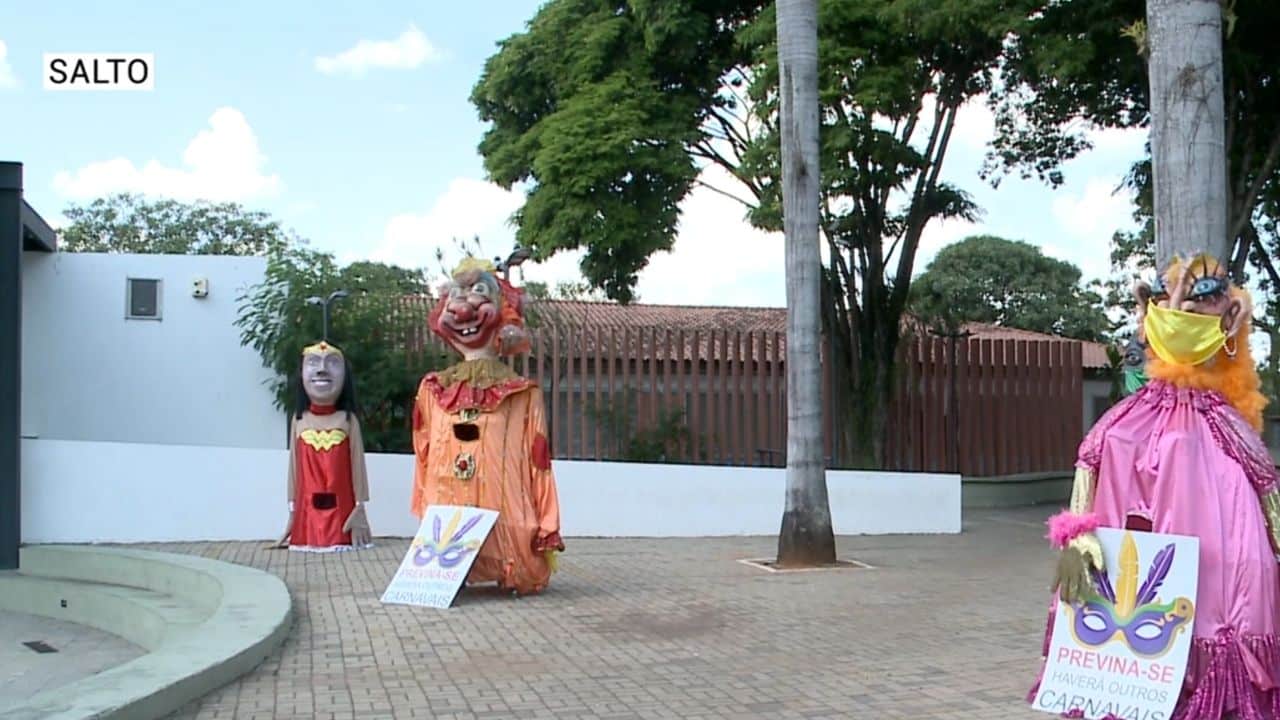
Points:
(1183, 338)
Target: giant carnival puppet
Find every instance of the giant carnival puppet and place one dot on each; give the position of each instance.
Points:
(328, 485)
(480, 434)
(1183, 455)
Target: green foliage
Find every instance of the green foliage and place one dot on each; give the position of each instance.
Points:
(608, 109)
(1073, 66)
(893, 77)
(125, 223)
(1008, 283)
(1269, 367)
(1115, 373)
(372, 327)
(650, 445)
(880, 65)
(596, 105)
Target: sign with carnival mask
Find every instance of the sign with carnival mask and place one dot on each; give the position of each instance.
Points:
(440, 556)
(1123, 651)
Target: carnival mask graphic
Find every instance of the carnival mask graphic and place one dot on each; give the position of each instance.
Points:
(447, 553)
(1131, 614)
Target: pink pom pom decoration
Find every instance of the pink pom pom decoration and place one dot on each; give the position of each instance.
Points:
(1067, 526)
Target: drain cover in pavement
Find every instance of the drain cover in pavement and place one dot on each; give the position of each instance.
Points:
(40, 646)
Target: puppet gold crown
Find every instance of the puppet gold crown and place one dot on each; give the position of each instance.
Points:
(473, 264)
(321, 348)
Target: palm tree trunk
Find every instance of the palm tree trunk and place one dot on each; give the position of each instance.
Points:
(1188, 126)
(806, 537)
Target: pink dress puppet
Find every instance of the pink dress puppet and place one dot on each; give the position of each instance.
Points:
(1183, 456)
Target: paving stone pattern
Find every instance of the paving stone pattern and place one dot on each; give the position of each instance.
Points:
(940, 627)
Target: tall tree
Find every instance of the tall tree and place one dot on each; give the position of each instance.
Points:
(1076, 66)
(127, 223)
(1008, 283)
(806, 537)
(1188, 160)
(603, 104)
(610, 108)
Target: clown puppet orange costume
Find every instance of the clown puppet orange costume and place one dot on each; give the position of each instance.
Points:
(479, 432)
(328, 484)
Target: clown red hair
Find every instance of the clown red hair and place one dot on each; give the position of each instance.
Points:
(511, 338)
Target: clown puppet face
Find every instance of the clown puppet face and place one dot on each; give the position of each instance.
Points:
(469, 314)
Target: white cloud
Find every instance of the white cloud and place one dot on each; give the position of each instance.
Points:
(222, 163)
(410, 50)
(1086, 221)
(1127, 143)
(8, 80)
(467, 208)
(937, 235)
(718, 258)
(975, 126)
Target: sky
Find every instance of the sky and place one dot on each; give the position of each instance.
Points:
(351, 125)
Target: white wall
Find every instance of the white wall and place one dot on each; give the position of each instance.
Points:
(1095, 395)
(126, 492)
(90, 374)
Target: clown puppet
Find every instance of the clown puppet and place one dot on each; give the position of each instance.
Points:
(328, 485)
(480, 436)
(1183, 455)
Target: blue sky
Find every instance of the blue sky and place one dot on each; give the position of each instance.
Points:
(351, 125)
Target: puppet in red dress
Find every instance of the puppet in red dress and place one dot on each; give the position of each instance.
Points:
(328, 486)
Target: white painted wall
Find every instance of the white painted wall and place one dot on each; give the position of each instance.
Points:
(1096, 396)
(90, 374)
(129, 492)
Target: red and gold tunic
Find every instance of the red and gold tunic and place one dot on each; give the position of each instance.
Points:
(480, 440)
(322, 481)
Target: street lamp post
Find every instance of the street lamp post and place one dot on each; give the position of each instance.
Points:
(324, 304)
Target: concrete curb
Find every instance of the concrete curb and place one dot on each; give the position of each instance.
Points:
(204, 623)
(1023, 490)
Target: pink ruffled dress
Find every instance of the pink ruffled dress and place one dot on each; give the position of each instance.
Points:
(1187, 463)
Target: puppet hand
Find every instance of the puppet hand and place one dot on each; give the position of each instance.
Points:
(358, 525)
(513, 340)
(1073, 581)
(283, 542)
(548, 542)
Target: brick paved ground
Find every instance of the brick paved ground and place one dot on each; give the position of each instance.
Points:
(942, 627)
(81, 651)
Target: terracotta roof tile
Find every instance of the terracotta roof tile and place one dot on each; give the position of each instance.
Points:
(645, 317)
(689, 317)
